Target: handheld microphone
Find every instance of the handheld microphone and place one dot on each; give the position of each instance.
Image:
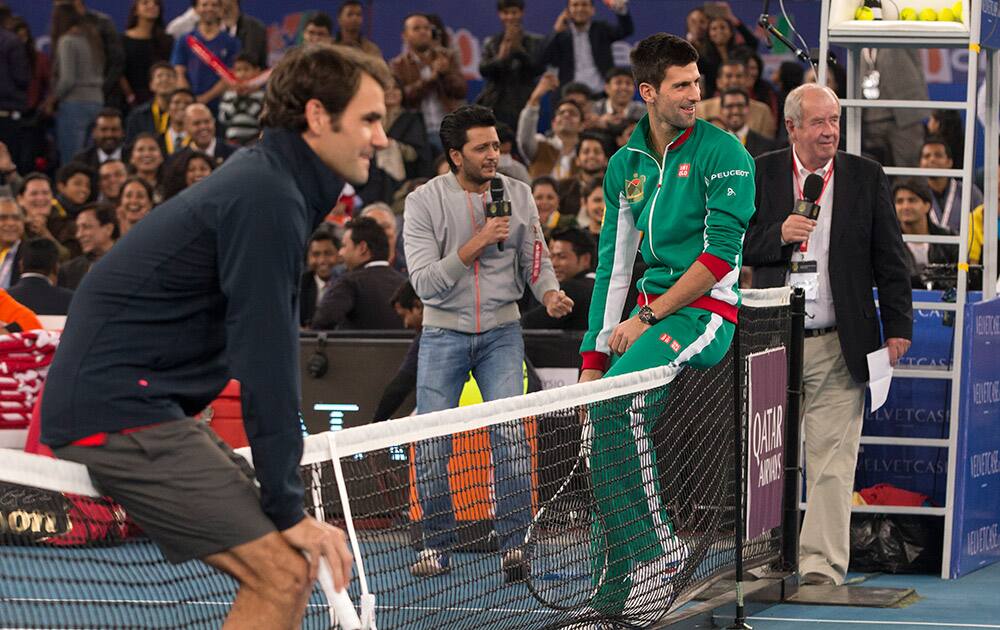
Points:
(497, 208)
(811, 190)
(764, 21)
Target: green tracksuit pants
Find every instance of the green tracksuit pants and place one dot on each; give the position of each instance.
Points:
(623, 462)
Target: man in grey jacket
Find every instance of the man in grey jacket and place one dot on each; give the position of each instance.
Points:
(469, 271)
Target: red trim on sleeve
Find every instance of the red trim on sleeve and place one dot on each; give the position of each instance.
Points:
(716, 265)
(593, 360)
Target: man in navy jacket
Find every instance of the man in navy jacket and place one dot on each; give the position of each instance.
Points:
(203, 290)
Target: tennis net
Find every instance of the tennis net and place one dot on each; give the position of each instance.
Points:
(611, 500)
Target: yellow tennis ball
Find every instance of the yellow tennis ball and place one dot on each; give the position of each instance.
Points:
(957, 10)
(946, 15)
(928, 15)
(864, 13)
(908, 13)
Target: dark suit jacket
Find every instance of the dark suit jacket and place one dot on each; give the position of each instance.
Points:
(140, 120)
(89, 157)
(558, 49)
(41, 297)
(866, 250)
(359, 300)
(222, 152)
(579, 288)
(253, 38)
(758, 144)
(509, 81)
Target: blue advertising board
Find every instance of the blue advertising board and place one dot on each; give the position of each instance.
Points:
(976, 516)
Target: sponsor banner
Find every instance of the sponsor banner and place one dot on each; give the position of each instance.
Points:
(765, 482)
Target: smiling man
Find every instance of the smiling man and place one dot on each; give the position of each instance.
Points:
(469, 270)
(689, 231)
(188, 300)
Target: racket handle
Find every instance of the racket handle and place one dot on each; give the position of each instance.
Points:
(341, 608)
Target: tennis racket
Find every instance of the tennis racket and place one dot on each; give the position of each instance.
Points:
(565, 544)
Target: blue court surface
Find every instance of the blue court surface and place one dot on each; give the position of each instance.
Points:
(970, 602)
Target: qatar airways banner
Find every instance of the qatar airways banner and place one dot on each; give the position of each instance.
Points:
(765, 448)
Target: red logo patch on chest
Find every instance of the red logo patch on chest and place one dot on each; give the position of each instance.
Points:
(684, 170)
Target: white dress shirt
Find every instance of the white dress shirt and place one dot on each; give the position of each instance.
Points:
(819, 299)
(584, 69)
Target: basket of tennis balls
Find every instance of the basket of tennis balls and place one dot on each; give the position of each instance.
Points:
(912, 14)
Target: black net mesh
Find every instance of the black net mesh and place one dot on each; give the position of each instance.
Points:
(615, 510)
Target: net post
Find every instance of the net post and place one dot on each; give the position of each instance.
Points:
(790, 523)
(739, 396)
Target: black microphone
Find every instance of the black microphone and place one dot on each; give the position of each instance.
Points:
(811, 190)
(764, 21)
(498, 208)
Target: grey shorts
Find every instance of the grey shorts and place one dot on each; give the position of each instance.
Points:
(188, 491)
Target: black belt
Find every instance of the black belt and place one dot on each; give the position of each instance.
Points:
(816, 332)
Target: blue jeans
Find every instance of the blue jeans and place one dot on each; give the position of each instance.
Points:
(496, 360)
(73, 118)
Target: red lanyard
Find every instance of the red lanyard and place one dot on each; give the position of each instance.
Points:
(804, 245)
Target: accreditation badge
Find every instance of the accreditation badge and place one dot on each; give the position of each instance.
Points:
(804, 274)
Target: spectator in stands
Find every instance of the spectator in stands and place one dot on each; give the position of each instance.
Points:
(77, 96)
(757, 87)
(583, 96)
(176, 138)
(788, 76)
(508, 165)
(697, 29)
(619, 104)
(431, 76)
(912, 198)
(469, 290)
(735, 106)
(146, 43)
(199, 126)
(545, 192)
(111, 176)
(350, 23)
(553, 153)
(360, 299)
(15, 68)
(573, 257)
(580, 47)
(893, 136)
(411, 310)
(187, 168)
(36, 287)
(240, 108)
(318, 29)
(589, 165)
(194, 73)
(153, 115)
(407, 133)
(248, 30)
(14, 316)
(947, 124)
(948, 191)
(31, 127)
(382, 214)
(9, 177)
(722, 44)
(76, 184)
(732, 76)
(97, 231)
(592, 205)
(146, 159)
(509, 64)
(134, 204)
(108, 136)
(323, 267)
(842, 324)
(35, 198)
(11, 235)
(111, 48)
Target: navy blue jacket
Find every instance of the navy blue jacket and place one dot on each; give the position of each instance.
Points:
(558, 49)
(202, 290)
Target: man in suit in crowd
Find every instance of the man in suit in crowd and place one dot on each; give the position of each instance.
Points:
(109, 137)
(37, 287)
(912, 198)
(735, 105)
(360, 299)
(96, 231)
(199, 126)
(323, 267)
(11, 233)
(572, 252)
(153, 116)
(175, 138)
(854, 245)
(577, 34)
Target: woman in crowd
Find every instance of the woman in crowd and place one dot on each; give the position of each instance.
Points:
(760, 88)
(697, 29)
(32, 119)
(135, 203)
(545, 190)
(146, 159)
(190, 167)
(145, 42)
(405, 128)
(78, 70)
(947, 124)
(722, 43)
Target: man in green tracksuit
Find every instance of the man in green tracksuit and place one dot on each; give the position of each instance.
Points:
(684, 189)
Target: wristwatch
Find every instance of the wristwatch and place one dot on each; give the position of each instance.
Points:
(646, 316)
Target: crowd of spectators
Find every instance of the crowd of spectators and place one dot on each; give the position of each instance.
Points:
(109, 123)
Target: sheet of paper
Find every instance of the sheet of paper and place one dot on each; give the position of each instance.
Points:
(879, 376)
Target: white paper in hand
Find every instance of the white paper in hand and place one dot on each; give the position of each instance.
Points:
(879, 376)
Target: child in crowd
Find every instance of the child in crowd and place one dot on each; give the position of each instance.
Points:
(240, 108)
